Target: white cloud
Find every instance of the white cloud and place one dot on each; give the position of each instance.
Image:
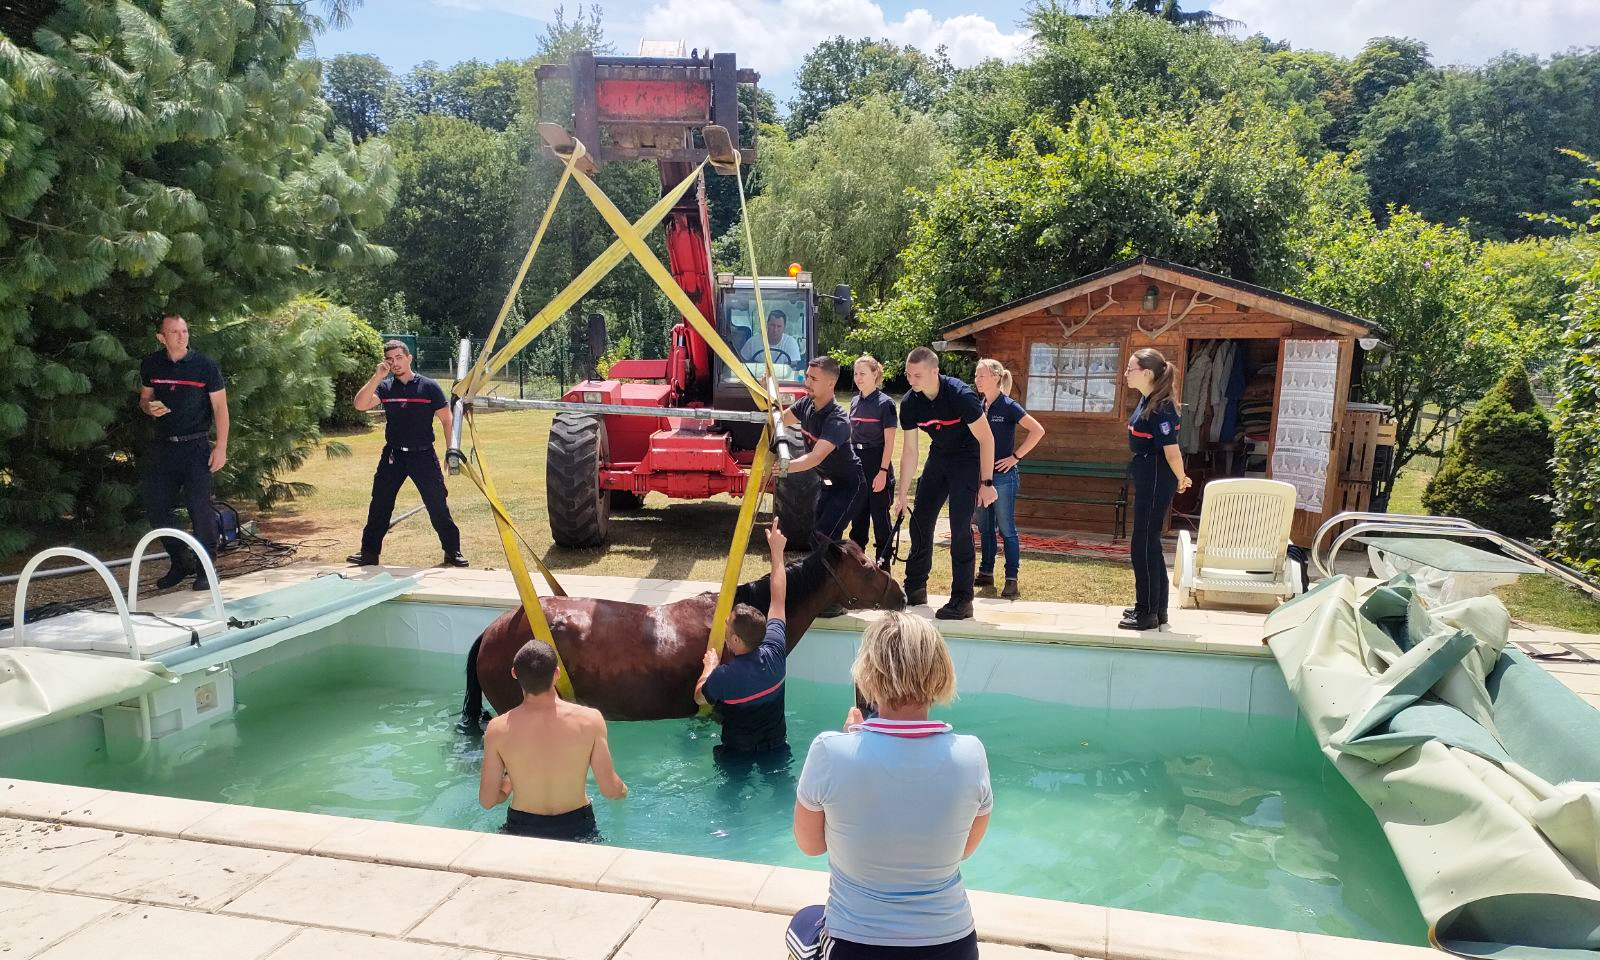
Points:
(1456, 31)
(775, 35)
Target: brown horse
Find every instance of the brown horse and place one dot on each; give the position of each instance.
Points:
(635, 661)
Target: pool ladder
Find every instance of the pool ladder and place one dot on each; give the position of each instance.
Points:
(1447, 527)
(126, 608)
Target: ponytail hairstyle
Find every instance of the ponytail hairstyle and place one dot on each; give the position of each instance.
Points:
(999, 372)
(1165, 372)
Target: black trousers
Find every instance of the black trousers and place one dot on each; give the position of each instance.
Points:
(422, 467)
(1154, 485)
(874, 508)
(964, 949)
(836, 504)
(173, 467)
(952, 479)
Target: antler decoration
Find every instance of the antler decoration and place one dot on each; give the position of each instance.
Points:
(1067, 332)
(1172, 321)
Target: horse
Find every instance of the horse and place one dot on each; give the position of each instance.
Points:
(635, 661)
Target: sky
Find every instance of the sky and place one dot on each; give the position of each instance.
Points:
(773, 36)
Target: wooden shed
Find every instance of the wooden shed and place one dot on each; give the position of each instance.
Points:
(1265, 380)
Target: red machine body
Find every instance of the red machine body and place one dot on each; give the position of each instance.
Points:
(631, 108)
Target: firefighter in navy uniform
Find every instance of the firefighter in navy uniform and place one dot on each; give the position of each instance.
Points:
(826, 427)
(184, 392)
(1157, 474)
(959, 470)
(410, 404)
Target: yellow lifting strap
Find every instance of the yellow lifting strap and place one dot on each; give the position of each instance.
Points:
(631, 240)
(509, 535)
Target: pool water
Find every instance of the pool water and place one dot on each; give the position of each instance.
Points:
(1117, 808)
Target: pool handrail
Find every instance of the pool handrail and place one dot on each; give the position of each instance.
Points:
(20, 602)
(1446, 527)
(206, 567)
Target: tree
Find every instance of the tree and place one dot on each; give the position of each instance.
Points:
(154, 157)
(1531, 283)
(453, 227)
(1385, 64)
(486, 94)
(1142, 64)
(358, 88)
(1172, 12)
(1485, 144)
(1421, 282)
(360, 349)
(840, 199)
(1221, 193)
(839, 70)
(1577, 424)
(1497, 471)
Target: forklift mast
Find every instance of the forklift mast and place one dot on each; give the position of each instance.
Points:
(654, 108)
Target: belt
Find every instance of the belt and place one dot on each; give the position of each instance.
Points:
(203, 435)
(391, 446)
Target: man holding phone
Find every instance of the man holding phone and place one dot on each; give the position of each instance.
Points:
(410, 402)
(183, 391)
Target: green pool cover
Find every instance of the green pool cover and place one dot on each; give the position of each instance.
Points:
(1483, 770)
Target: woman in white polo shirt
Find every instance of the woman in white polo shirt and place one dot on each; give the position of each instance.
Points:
(896, 802)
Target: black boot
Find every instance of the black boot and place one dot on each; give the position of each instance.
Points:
(176, 574)
(1010, 592)
(361, 560)
(916, 597)
(1130, 612)
(983, 580)
(955, 610)
(1139, 621)
(457, 559)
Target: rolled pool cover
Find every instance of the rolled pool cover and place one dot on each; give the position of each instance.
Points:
(1482, 769)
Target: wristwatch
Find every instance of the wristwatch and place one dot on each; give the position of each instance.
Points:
(988, 483)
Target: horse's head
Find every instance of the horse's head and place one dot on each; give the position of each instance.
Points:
(865, 585)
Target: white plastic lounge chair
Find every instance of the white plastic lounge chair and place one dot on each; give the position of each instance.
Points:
(1243, 543)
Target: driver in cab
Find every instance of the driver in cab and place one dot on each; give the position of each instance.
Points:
(785, 348)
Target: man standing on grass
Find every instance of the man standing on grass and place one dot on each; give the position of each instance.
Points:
(410, 404)
(959, 470)
(184, 392)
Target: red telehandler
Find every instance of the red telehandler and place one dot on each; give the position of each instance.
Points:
(634, 108)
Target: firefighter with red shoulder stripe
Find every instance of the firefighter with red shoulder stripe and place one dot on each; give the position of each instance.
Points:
(746, 689)
(959, 470)
(1157, 473)
(411, 402)
(184, 391)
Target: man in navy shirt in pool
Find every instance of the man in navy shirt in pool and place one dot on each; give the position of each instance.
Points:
(747, 687)
(960, 470)
(410, 402)
(184, 392)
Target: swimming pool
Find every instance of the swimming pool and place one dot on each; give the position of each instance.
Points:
(1172, 783)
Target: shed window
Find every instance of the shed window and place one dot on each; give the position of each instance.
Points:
(1073, 377)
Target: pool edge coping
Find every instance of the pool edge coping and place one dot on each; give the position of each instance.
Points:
(1075, 929)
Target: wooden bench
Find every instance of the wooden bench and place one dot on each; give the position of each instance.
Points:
(1101, 471)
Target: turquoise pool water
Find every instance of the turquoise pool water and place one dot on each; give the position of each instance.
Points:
(1171, 811)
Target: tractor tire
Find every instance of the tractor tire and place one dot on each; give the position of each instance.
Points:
(580, 512)
(626, 501)
(795, 503)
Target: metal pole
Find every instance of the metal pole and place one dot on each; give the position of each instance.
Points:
(622, 409)
(452, 453)
(78, 568)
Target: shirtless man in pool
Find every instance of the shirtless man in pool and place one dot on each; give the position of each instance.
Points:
(540, 753)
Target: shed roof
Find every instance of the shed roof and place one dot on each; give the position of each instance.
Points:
(1260, 298)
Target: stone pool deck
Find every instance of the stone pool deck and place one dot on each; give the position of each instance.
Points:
(90, 873)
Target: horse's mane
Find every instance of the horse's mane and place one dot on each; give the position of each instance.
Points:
(806, 576)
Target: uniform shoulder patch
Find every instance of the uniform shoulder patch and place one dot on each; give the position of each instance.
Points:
(1166, 427)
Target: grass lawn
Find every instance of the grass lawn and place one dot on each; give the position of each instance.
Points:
(669, 540)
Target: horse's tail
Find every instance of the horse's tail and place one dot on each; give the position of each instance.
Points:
(472, 712)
